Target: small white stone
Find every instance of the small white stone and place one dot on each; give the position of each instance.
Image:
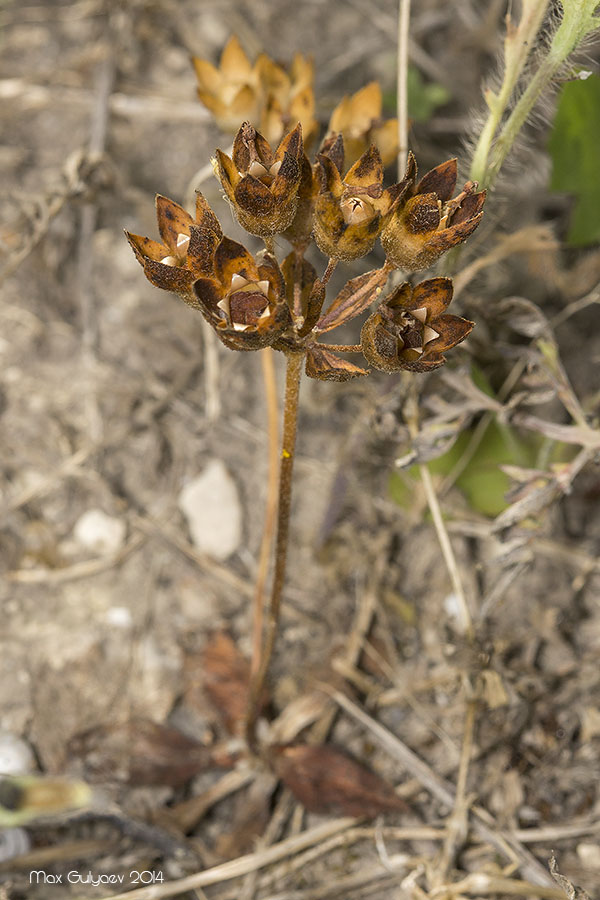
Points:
(96, 531)
(452, 606)
(13, 842)
(212, 508)
(119, 617)
(589, 855)
(16, 756)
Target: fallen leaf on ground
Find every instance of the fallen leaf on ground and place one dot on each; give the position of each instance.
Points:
(140, 752)
(226, 675)
(326, 780)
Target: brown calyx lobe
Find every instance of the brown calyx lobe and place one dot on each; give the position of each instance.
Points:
(250, 146)
(386, 343)
(422, 214)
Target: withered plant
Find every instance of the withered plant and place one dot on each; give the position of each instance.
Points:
(337, 200)
(254, 301)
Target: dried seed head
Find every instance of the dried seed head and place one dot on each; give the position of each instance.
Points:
(410, 330)
(348, 213)
(425, 222)
(356, 210)
(246, 303)
(359, 119)
(261, 184)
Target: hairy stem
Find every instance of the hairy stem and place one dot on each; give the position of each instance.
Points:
(578, 21)
(517, 45)
(290, 419)
(342, 348)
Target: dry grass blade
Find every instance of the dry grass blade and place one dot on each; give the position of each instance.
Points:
(482, 822)
(241, 866)
(368, 876)
(480, 885)
(84, 569)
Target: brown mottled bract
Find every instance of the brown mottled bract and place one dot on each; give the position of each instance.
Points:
(140, 752)
(354, 298)
(302, 273)
(226, 678)
(328, 366)
(410, 330)
(326, 780)
(425, 222)
(184, 262)
(299, 231)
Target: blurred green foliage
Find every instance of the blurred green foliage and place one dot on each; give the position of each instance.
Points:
(482, 481)
(424, 97)
(575, 150)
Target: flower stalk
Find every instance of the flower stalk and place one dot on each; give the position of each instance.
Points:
(402, 83)
(267, 358)
(288, 446)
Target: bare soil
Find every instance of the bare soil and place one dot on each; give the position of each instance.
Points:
(105, 400)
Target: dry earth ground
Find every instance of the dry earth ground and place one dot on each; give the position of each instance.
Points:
(103, 399)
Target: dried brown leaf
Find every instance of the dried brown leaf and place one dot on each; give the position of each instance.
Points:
(140, 752)
(328, 366)
(354, 298)
(326, 780)
(226, 679)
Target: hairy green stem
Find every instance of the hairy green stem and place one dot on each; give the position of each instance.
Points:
(578, 21)
(517, 45)
(290, 420)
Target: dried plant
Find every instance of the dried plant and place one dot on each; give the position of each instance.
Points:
(253, 301)
(339, 202)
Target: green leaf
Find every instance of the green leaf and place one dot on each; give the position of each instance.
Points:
(573, 145)
(424, 97)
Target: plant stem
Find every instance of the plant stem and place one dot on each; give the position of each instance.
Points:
(331, 265)
(411, 417)
(517, 45)
(402, 84)
(577, 21)
(342, 348)
(290, 419)
(267, 358)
